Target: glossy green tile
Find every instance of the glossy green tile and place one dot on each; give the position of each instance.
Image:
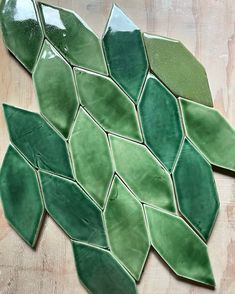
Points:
(126, 228)
(73, 211)
(150, 182)
(108, 104)
(160, 120)
(91, 157)
(100, 272)
(73, 38)
(39, 143)
(210, 132)
(178, 69)
(125, 52)
(20, 196)
(55, 88)
(21, 30)
(179, 246)
(196, 190)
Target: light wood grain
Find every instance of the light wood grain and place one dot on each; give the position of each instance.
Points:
(207, 28)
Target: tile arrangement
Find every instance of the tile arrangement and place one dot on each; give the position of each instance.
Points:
(120, 155)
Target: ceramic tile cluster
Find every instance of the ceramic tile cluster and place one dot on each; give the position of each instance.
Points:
(117, 158)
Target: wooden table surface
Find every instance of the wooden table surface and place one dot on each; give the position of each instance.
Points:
(207, 28)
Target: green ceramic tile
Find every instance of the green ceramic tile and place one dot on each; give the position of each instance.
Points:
(125, 52)
(150, 182)
(210, 132)
(126, 228)
(160, 120)
(100, 272)
(73, 211)
(55, 88)
(39, 143)
(21, 30)
(20, 196)
(108, 104)
(73, 38)
(196, 190)
(91, 157)
(179, 246)
(177, 68)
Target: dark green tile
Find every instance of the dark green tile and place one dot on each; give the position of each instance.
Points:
(125, 53)
(185, 253)
(55, 88)
(160, 120)
(39, 143)
(177, 68)
(73, 211)
(73, 38)
(100, 272)
(126, 228)
(20, 196)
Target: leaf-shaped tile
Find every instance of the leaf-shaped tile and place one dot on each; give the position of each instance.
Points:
(178, 69)
(150, 182)
(91, 157)
(20, 196)
(73, 38)
(55, 88)
(99, 271)
(125, 53)
(126, 228)
(160, 120)
(21, 30)
(39, 143)
(196, 190)
(179, 246)
(108, 104)
(73, 211)
(210, 132)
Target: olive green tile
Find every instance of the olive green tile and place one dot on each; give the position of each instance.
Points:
(126, 228)
(21, 29)
(210, 132)
(55, 88)
(160, 120)
(125, 52)
(178, 69)
(73, 38)
(99, 271)
(73, 211)
(91, 157)
(184, 252)
(20, 196)
(108, 104)
(196, 190)
(150, 182)
(39, 143)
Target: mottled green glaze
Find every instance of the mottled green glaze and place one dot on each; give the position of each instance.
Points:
(108, 104)
(196, 190)
(125, 53)
(179, 246)
(54, 83)
(73, 38)
(21, 30)
(178, 69)
(74, 212)
(39, 143)
(20, 196)
(142, 173)
(91, 157)
(210, 132)
(160, 121)
(126, 228)
(100, 272)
